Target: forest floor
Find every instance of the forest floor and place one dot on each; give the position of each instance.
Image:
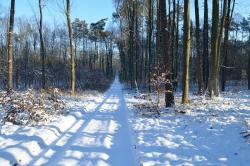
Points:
(205, 132)
(108, 129)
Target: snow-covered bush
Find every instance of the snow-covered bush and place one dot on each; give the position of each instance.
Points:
(145, 106)
(31, 107)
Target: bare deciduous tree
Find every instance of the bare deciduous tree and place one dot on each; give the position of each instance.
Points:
(10, 47)
(72, 55)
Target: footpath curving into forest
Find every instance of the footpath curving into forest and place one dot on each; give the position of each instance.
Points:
(96, 135)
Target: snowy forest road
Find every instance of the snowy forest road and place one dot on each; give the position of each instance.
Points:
(102, 139)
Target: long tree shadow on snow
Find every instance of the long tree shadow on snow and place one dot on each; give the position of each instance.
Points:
(21, 140)
(207, 139)
(92, 137)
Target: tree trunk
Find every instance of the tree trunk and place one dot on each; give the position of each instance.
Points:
(173, 40)
(222, 25)
(186, 51)
(131, 16)
(137, 48)
(149, 43)
(10, 48)
(163, 45)
(213, 80)
(205, 46)
(72, 56)
(42, 48)
(198, 49)
(176, 64)
(216, 44)
(225, 46)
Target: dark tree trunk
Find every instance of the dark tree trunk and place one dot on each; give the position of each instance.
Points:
(205, 46)
(225, 45)
(176, 63)
(163, 45)
(131, 17)
(213, 80)
(198, 49)
(173, 40)
(42, 48)
(222, 26)
(149, 43)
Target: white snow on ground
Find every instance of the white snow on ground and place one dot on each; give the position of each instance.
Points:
(94, 132)
(208, 134)
(107, 130)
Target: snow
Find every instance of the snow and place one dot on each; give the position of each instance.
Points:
(208, 134)
(94, 132)
(108, 130)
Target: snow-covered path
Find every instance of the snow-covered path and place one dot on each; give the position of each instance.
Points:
(99, 137)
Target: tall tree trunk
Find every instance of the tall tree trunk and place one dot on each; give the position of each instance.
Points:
(163, 46)
(149, 43)
(72, 56)
(213, 80)
(205, 46)
(158, 47)
(222, 25)
(176, 64)
(173, 40)
(42, 48)
(225, 45)
(143, 55)
(10, 47)
(198, 49)
(137, 47)
(186, 51)
(131, 17)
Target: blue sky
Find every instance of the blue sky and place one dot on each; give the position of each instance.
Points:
(89, 10)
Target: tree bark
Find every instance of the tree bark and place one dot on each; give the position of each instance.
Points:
(10, 48)
(225, 45)
(221, 31)
(216, 38)
(173, 47)
(205, 46)
(176, 62)
(72, 56)
(162, 51)
(131, 21)
(149, 43)
(42, 48)
(186, 51)
(198, 49)
(213, 80)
